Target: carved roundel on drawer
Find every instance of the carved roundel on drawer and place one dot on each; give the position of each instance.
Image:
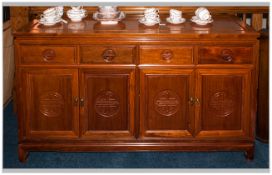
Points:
(107, 104)
(222, 103)
(51, 104)
(167, 102)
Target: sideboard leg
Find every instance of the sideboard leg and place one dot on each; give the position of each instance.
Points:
(249, 154)
(23, 154)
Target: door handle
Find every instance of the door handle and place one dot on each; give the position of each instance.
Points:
(191, 100)
(81, 102)
(75, 101)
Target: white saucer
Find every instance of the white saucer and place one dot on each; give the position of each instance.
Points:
(42, 21)
(196, 20)
(143, 21)
(181, 20)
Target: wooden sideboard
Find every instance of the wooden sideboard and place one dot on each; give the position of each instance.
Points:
(88, 87)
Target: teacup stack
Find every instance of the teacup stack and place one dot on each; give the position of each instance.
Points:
(76, 14)
(175, 17)
(151, 17)
(202, 16)
(51, 16)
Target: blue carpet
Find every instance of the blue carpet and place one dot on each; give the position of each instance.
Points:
(125, 160)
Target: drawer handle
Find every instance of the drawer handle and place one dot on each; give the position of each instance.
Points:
(227, 55)
(167, 55)
(108, 55)
(48, 54)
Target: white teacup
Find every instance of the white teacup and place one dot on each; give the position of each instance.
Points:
(151, 10)
(203, 14)
(151, 16)
(175, 13)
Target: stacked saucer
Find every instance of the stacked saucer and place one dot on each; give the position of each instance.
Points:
(76, 13)
(108, 15)
(51, 16)
(202, 16)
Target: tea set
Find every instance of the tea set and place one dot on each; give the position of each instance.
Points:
(151, 17)
(202, 16)
(51, 16)
(110, 15)
(175, 17)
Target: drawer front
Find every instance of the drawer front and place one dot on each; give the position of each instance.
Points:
(225, 55)
(45, 54)
(166, 55)
(105, 54)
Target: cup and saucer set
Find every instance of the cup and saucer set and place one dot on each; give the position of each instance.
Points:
(151, 17)
(52, 16)
(175, 17)
(202, 16)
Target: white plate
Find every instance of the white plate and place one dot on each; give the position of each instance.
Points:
(181, 20)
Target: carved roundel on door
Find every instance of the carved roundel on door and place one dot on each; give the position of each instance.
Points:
(51, 104)
(222, 103)
(167, 102)
(107, 104)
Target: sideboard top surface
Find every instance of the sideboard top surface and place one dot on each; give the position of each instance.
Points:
(225, 25)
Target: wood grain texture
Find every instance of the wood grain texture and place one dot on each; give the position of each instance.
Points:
(225, 55)
(108, 109)
(133, 88)
(160, 54)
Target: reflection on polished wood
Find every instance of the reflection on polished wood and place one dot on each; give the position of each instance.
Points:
(127, 87)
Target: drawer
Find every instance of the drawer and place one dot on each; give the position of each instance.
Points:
(225, 55)
(107, 54)
(166, 55)
(47, 54)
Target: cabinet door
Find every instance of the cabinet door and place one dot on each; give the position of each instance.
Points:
(165, 110)
(48, 95)
(224, 103)
(108, 109)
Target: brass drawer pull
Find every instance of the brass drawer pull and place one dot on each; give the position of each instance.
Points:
(48, 54)
(227, 55)
(108, 55)
(167, 55)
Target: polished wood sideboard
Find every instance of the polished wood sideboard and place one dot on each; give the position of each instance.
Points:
(88, 87)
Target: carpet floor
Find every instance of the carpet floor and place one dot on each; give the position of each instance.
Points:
(124, 159)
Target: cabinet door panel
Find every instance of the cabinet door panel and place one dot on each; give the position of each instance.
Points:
(50, 112)
(224, 102)
(108, 111)
(164, 107)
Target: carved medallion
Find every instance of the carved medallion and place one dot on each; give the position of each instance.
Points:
(167, 102)
(107, 104)
(51, 104)
(222, 103)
